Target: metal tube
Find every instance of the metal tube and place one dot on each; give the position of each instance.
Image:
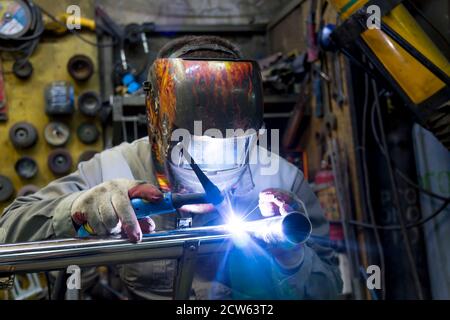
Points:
(59, 254)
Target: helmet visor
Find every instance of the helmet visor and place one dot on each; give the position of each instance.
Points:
(215, 154)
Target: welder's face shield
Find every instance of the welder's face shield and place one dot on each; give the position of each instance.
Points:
(213, 107)
(212, 153)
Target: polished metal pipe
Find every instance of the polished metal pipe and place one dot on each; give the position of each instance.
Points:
(84, 252)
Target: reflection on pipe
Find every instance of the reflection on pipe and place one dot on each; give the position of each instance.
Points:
(58, 254)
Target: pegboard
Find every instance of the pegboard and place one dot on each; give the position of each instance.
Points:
(26, 99)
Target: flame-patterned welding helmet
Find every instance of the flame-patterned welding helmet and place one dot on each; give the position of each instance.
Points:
(214, 107)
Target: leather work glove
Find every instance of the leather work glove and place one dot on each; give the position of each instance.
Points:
(106, 208)
(273, 202)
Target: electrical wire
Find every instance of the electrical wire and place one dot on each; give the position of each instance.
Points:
(399, 172)
(396, 198)
(75, 33)
(25, 45)
(367, 186)
(383, 146)
(408, 226)
(36, 25)
(419, 188)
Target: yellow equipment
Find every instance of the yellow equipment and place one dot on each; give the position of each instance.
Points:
(417, 81)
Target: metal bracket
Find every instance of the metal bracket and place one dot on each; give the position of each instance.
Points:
(185, 270)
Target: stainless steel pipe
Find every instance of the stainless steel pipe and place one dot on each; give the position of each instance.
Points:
(59, 254)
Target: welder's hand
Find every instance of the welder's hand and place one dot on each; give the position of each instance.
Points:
(106, 208)
(273, 202)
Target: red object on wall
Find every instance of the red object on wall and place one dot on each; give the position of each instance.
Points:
(3, 104)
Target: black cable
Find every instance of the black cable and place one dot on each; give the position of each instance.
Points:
(408, 226)
(36, 30)
(396, 198)
(75, 33)
(367, 186)
(358, 63)
(419, 188)
(25, 45)
(397, 171)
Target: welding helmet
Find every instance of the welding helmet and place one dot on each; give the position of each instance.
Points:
(213, 107)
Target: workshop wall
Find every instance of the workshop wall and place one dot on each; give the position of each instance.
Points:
(289, 33)
(192, 12)
(26, 101)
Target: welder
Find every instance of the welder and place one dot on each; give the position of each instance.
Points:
(194, 81)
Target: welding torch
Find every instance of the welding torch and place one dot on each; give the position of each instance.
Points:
(173, 201)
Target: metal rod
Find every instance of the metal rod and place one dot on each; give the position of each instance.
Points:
(59, 254)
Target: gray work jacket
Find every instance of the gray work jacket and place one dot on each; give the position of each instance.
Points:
(46, 215)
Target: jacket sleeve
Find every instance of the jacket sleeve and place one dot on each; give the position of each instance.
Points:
(317, 274)
(46, 213)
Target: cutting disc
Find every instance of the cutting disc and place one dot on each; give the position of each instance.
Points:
(56, 134)
(15, 18)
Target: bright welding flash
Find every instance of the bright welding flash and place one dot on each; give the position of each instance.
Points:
(236, 226)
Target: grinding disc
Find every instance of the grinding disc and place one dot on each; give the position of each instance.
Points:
(56, 134)
(59, 161)
(23, 135)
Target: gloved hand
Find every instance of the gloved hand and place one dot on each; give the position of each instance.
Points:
(273, 202)
(106, 208)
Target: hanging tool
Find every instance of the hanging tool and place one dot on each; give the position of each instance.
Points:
(26, 167)
(338, 94)
(22, 70)
(56, 134)
(59, 98)
(88, 133)
(89, 103)
(59, 161)
(311, 36)
(80, 67)
(318, 95)
(23, 135)
(299, 118)
(116, 31)
(327, 44)
(6, 188)
(3, 104)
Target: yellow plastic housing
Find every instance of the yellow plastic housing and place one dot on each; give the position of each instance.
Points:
(415, 79)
